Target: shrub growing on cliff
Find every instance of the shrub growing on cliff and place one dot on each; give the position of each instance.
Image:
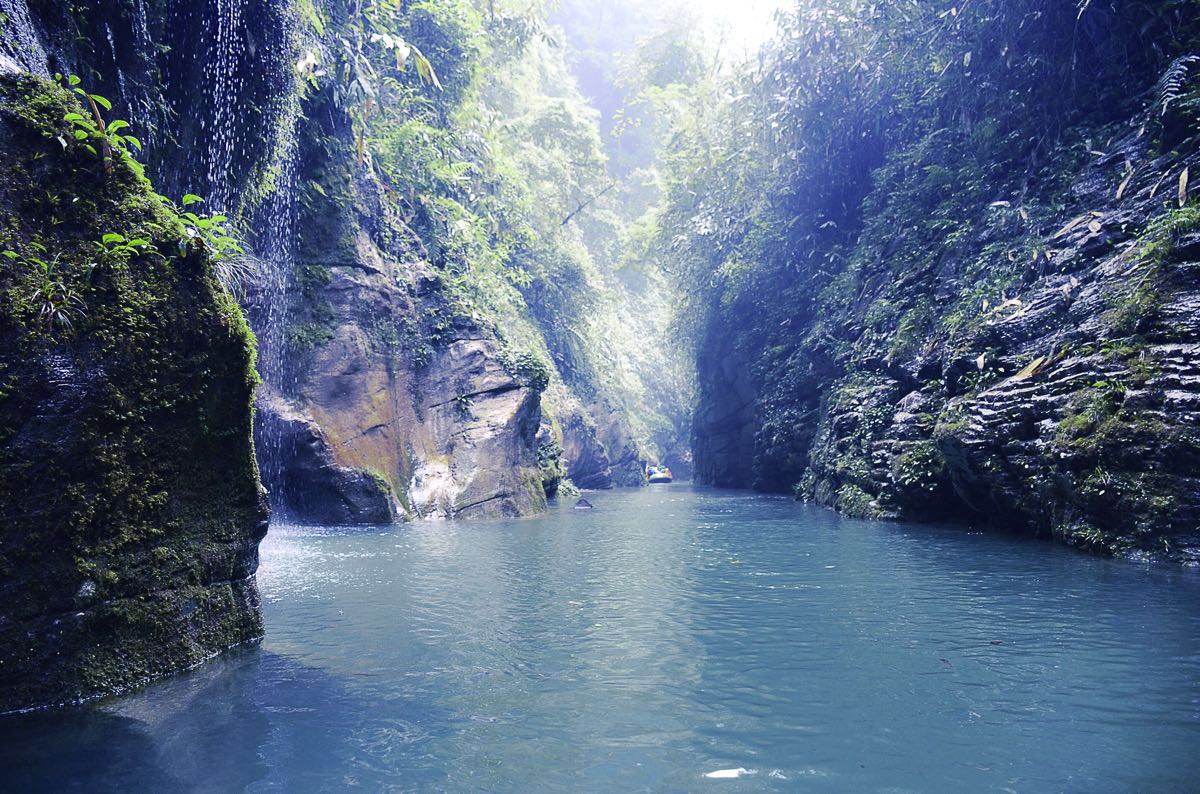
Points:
(208, 232)
(528, 369)
(102, 139)
(920, 467)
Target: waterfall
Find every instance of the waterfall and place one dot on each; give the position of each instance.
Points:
(223, 72)
(229, 124)
(269, 314)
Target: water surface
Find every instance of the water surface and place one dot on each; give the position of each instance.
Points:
(668, 634)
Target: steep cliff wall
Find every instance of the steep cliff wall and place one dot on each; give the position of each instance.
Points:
(1051, 384)
(130, 509)
(1068, 404)
(396, 400)
(984, 310)
(435, 345)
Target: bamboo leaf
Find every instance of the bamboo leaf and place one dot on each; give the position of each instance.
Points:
(1031, 369)
(1074, 222)
(1157, 184)
(1125, 184)
(1183, 187)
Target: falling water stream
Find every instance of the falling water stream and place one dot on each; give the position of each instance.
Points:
(271, 228)
(276, 243)
(227, 130)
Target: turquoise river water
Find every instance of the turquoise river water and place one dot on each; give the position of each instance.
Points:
(671, 639)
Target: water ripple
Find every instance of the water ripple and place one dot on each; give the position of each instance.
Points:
(667, 635)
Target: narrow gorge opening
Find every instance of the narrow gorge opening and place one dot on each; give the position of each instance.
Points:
(338, 273)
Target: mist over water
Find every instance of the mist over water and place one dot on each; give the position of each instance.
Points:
(669, 634)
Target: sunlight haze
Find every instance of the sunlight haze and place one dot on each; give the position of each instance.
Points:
(744, 25)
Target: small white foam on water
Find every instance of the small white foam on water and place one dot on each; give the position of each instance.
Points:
(729, 774)
(775, 773)
(813, 772)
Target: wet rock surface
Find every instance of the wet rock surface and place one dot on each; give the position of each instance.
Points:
(588, 465)
(312, 487)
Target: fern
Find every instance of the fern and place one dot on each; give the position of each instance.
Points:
(1171, 87)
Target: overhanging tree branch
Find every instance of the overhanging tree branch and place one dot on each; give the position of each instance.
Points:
(584, 204)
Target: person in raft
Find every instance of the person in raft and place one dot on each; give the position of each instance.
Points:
(662, 473)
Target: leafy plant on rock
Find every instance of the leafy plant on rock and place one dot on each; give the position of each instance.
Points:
(54, 304)
(209, 233)
(103, 139)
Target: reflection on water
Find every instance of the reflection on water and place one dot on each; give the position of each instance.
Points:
(667, 635)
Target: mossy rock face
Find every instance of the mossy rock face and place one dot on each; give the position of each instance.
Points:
(998, 344)
(130, 506)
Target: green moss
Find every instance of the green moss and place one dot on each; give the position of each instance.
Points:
(855, 502)
(528, 369)
(805, 489)
(1132, 307)
(1090, 537)
(552, 466)
(313, 319)
(127, 459)
(920, 467)
(1092, 418)
(309, 336)
(911, 330)
(1163, 232)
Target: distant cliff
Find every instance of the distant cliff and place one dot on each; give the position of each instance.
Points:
(394, 399)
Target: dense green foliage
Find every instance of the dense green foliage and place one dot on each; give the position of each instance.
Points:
(495, 171)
